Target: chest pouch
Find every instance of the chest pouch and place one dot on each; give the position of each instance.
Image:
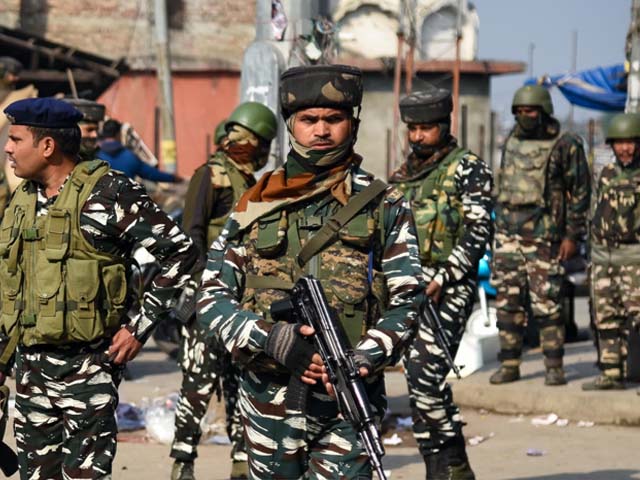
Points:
(58, 228)
(272, 234)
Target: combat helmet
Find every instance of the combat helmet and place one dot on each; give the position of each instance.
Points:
(426, 106)
(220, 132)
(532, 96)
(624, 126)
(256, 117)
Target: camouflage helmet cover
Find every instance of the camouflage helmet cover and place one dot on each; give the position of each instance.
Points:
(532, 96)
(332, 86)
(255, 117)
(93, 112)
(9, 65)
(624, 126)
(426, 106)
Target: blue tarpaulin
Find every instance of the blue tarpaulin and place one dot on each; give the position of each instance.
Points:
(601, 88)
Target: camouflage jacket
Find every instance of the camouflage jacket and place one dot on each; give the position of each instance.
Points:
(567, 196)
(209, 196)
(616, 218)
(473, 185)
(119, 215)
(244, 332)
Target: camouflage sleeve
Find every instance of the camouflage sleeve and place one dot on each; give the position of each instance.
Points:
(475, 182)
(577, 180)
(132, 217)
(386, 342)
(242, 332)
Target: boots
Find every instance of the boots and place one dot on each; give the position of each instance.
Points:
(554, 377)
(505, 375)
(604, 382)
(182, 471)
(239, 470)
(450, 463)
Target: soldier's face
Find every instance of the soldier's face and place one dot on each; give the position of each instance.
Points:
(88, 130)
(624, 150)
(321, 128)
(27, 159)
(525, 111)
(424, 133)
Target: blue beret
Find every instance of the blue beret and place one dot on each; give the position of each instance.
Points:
(43, 112)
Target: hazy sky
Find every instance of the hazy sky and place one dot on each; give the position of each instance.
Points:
(507, 27)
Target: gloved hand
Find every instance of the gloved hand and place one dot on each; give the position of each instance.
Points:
(287, 346)
(363, 360)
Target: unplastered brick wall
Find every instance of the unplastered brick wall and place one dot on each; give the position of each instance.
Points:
(203, 33)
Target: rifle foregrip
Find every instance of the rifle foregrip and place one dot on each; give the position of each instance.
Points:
(297, 395)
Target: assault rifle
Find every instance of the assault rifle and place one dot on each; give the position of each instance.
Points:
(429, 315)
(308, 305)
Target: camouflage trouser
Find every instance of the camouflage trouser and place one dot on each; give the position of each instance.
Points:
(436, 419)
(527, 271)
(616, 298)
(284, 444)
(203, 364)
(65, 424)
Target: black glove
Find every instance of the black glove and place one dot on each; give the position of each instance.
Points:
(287, 346)
(362, 359)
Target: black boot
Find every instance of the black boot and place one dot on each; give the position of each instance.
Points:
(450, 463)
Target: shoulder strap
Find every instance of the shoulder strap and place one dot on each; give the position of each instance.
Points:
(329, 231)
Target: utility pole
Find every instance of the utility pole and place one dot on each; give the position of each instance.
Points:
(456, 73)
(633, 80)
(165, 90)
(532, 47)
(397, 74)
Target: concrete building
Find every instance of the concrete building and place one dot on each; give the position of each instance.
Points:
(207, 44)
(368, 37)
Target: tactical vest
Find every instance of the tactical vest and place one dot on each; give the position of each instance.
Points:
(56, 288)
(348, 268)
(523, 173)
(617, 215)
(220, 164)
(437, 209)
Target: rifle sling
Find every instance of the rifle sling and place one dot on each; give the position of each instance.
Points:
(328, 233)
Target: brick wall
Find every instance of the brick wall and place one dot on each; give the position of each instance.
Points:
(210, 34)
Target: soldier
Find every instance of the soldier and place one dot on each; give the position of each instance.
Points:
(543, 199)
(67, 233)
(615, 252)
(213, 191)
(275, 236)
(93, 115)
(449, 189)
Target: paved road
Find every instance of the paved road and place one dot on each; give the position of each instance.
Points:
(570, 453)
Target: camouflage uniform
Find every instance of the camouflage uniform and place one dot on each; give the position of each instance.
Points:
(211, 195)
(374, 253)
(67, 393)
(450, 195)
(541, 201)
(615, 258)
(615, 252)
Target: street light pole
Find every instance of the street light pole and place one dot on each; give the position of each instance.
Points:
(165, 90)
(456, 73)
